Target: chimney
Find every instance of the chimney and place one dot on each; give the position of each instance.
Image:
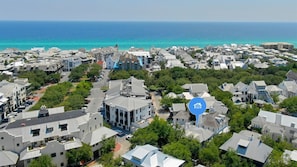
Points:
(252, 137)
(278, 119)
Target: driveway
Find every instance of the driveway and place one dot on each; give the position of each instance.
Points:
(122, 146)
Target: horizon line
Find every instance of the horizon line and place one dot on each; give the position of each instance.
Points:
(152, 21)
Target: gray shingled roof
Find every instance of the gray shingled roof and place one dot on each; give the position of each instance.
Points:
(182, 115)
(42, 120)
(128, 103)
(248, 147)
(291, 75)
(98, 135)
(176, 107)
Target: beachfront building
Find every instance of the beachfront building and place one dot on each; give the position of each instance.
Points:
(149, 156)
(101, 54)
(51, 132)
(71, 62)
(144, 56)
(48, 65)
(127, 105)
(111, 60)
(282, 46)
(129, 62)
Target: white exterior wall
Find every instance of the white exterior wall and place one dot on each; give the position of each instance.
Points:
(109, 62)
(10, 143)
(20, 139)
(284, 90)
(177, 121)
(54, 147)
(139, 115)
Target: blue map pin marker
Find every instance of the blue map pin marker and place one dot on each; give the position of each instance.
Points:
(197, 106)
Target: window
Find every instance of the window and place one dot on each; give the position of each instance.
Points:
(2, 138)
(35, 132)
(61, 153)
(63, 127)
(2, 147)
(62, 164)
(49, 130)
(53, 155)
(18, 144)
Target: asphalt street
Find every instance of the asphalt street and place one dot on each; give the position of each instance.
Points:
(96, 96)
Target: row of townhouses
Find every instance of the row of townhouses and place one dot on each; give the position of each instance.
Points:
(12, 96)
(259, 92)
(53, 132)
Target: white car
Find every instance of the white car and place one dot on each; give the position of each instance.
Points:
(128, 137)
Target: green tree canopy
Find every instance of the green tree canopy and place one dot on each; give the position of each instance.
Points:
(290, 104)
(81, 154)
(42, 161)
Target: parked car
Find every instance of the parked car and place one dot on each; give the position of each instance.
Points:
(128, 137)
(120, 133)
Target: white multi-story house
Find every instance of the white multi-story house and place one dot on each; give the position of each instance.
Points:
(15, 93)
(52, 132)
(111, 60)
(276, 125)
(289, 88)
(145, 56)
(3, 106)
(126, 104)
(150, 156)
(71, 62)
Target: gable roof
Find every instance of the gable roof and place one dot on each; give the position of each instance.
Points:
(198, 133)
(176, 107)
(248, 147)
(126, 87)
(148, 155)
(276, 118)
(8, 158)
(291, 75)
(129, 103)
(182, 115)
(98, 135)
(240, 86)
(291, 86)
(196, 87)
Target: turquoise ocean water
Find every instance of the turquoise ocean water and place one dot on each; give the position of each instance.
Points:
(74, 35)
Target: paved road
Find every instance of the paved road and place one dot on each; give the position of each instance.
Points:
(124, 146)
(156, 98)
(97, 95)
(65, 76)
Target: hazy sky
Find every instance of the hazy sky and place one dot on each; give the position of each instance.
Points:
(150, 10)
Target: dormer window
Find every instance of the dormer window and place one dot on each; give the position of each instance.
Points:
(49, 130)
(35, 132)
(63, 127)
